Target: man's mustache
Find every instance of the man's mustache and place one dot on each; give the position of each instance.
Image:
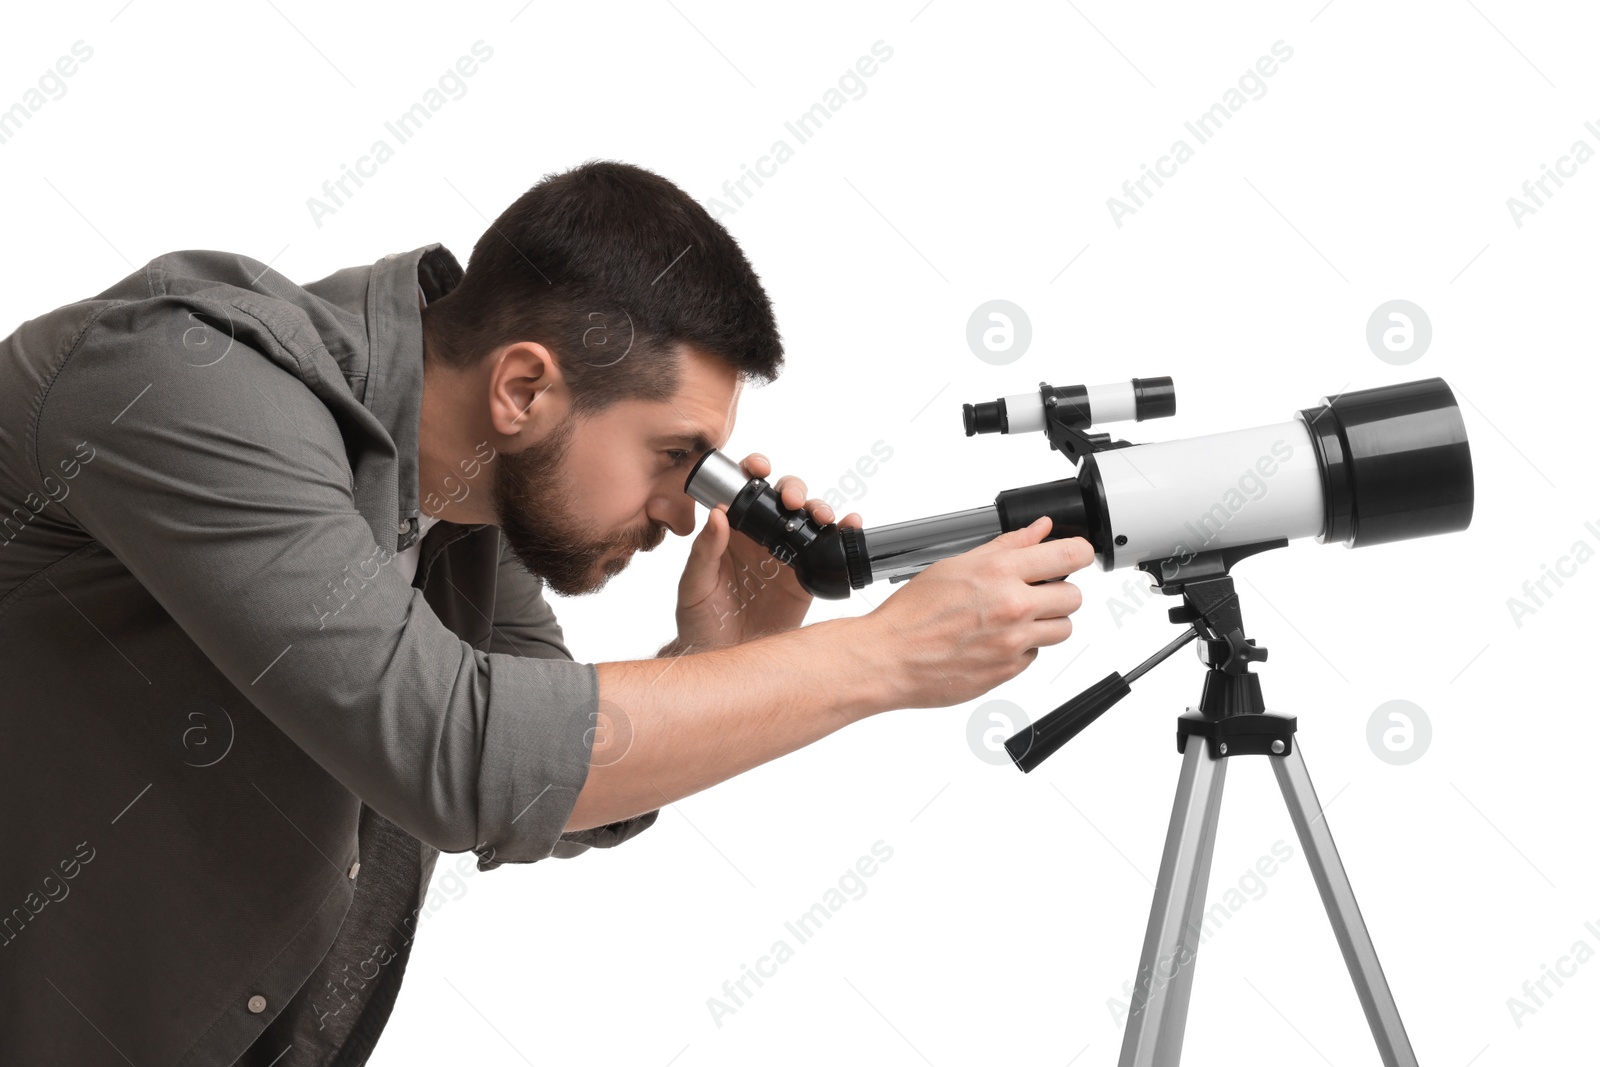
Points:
(649, 539)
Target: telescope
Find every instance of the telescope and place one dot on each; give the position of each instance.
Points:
(1359, 468)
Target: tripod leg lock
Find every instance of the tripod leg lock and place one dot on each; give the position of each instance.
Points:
(1265, 734)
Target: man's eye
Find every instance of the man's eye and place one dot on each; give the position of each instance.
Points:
(678, 455)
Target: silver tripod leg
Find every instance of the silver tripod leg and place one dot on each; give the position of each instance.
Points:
(1160, 1003)
(1340, 901)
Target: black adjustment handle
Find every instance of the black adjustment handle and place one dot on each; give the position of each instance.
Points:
(1036, 743)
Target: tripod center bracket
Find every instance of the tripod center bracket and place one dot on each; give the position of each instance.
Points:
(1263, 734)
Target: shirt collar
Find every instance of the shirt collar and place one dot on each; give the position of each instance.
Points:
(394, 371)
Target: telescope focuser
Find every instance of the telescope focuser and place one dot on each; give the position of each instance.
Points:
(823, 557)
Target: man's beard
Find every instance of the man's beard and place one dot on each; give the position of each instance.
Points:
(537, 510)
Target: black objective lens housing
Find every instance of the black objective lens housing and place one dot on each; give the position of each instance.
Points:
(1395, 463)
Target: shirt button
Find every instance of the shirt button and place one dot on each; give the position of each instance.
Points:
(257, 1003)
(404, 526)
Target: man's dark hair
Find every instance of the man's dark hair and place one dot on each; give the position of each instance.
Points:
(609, 266)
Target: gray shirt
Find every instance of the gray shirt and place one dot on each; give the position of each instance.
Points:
(233, 738)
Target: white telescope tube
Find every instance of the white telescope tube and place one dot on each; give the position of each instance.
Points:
(1178, 498)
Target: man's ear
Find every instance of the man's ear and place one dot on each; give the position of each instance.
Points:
(525, 391)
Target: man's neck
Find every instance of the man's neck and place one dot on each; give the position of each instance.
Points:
(448, 458)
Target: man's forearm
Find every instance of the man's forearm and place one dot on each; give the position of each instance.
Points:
(697, 719)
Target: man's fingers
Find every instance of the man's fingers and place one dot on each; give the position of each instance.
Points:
(791, 490)
(1050, 632)
(823, 513)
(1030, 534)
(713, 535)
(1053, 559)
(1056, 600)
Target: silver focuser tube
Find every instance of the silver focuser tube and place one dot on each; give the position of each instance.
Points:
(900, 550)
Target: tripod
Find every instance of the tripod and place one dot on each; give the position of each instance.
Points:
(1230, 721)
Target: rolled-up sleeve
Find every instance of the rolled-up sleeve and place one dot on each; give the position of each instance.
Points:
(525, 625)
(226, 490)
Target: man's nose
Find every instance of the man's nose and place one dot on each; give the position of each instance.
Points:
(675, 512)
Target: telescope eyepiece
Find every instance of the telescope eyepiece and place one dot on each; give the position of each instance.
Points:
(829, 561)
(715, 479)
(986, 417)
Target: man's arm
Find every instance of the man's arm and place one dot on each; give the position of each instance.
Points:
(954, 632)
(524, 624)
(704, 717)
(225, 490)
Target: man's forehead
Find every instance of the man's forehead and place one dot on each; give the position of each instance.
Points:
(697, 431)
(703, 412)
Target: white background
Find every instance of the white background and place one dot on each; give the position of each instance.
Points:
(977, 166)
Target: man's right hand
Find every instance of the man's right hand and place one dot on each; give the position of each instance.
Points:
(971, 621)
